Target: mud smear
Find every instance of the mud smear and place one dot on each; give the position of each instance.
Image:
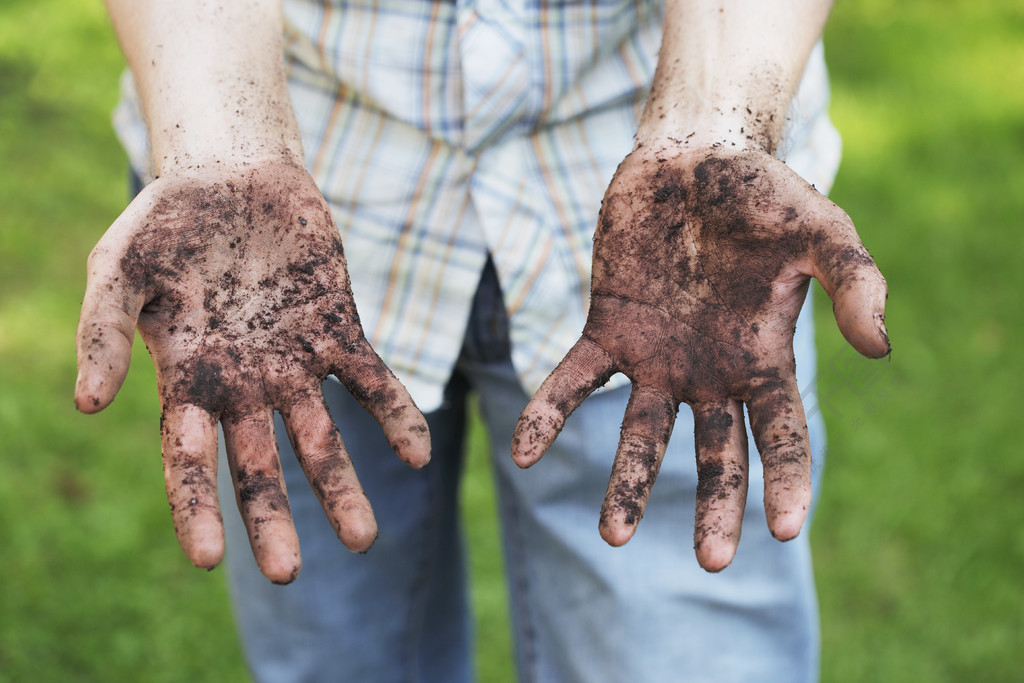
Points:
(262, 489)
(687, 300)
(248, 306)
(646, 429)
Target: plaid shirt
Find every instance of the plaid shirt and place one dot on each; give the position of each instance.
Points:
(442, 131)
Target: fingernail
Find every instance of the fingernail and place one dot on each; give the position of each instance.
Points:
(78, 382)
(880, 322)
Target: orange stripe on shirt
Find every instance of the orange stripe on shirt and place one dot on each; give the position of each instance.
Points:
(332, 119)
(520, 188)
(439, 279)
(428, 63)
(525, 290)
(406, 234)
(563, 219)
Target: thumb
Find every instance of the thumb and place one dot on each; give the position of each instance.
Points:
(858, 291)
(106, 329)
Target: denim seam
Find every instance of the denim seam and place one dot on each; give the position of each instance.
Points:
(516, 562)
(418, 589)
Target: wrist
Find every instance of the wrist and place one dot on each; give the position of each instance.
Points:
(239, 128)
(247, 153)
(740, 127)
(727, 72)
(211, 80)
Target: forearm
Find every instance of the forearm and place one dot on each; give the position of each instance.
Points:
(211, 79)
(728, 70)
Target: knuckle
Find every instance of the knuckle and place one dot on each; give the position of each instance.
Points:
(99, 253)
(321, 442)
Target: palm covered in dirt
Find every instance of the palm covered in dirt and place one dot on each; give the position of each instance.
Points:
(701, 264)
(240, 291)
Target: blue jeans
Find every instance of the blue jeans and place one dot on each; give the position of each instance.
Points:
(581, 610)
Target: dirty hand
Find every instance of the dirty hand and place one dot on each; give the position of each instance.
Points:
(702, 260)
(238, 285)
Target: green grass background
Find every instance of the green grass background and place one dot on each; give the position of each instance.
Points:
(919, 537)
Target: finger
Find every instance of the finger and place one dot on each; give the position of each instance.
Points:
(189, 446)
(106, 329)
(721, 444)
(261, 495)
(646, 428)
(780, 432)
(377, 389)
(585, 368)
(855, 285)
(325, 461)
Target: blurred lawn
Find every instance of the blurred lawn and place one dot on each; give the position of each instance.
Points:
(919, 537)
